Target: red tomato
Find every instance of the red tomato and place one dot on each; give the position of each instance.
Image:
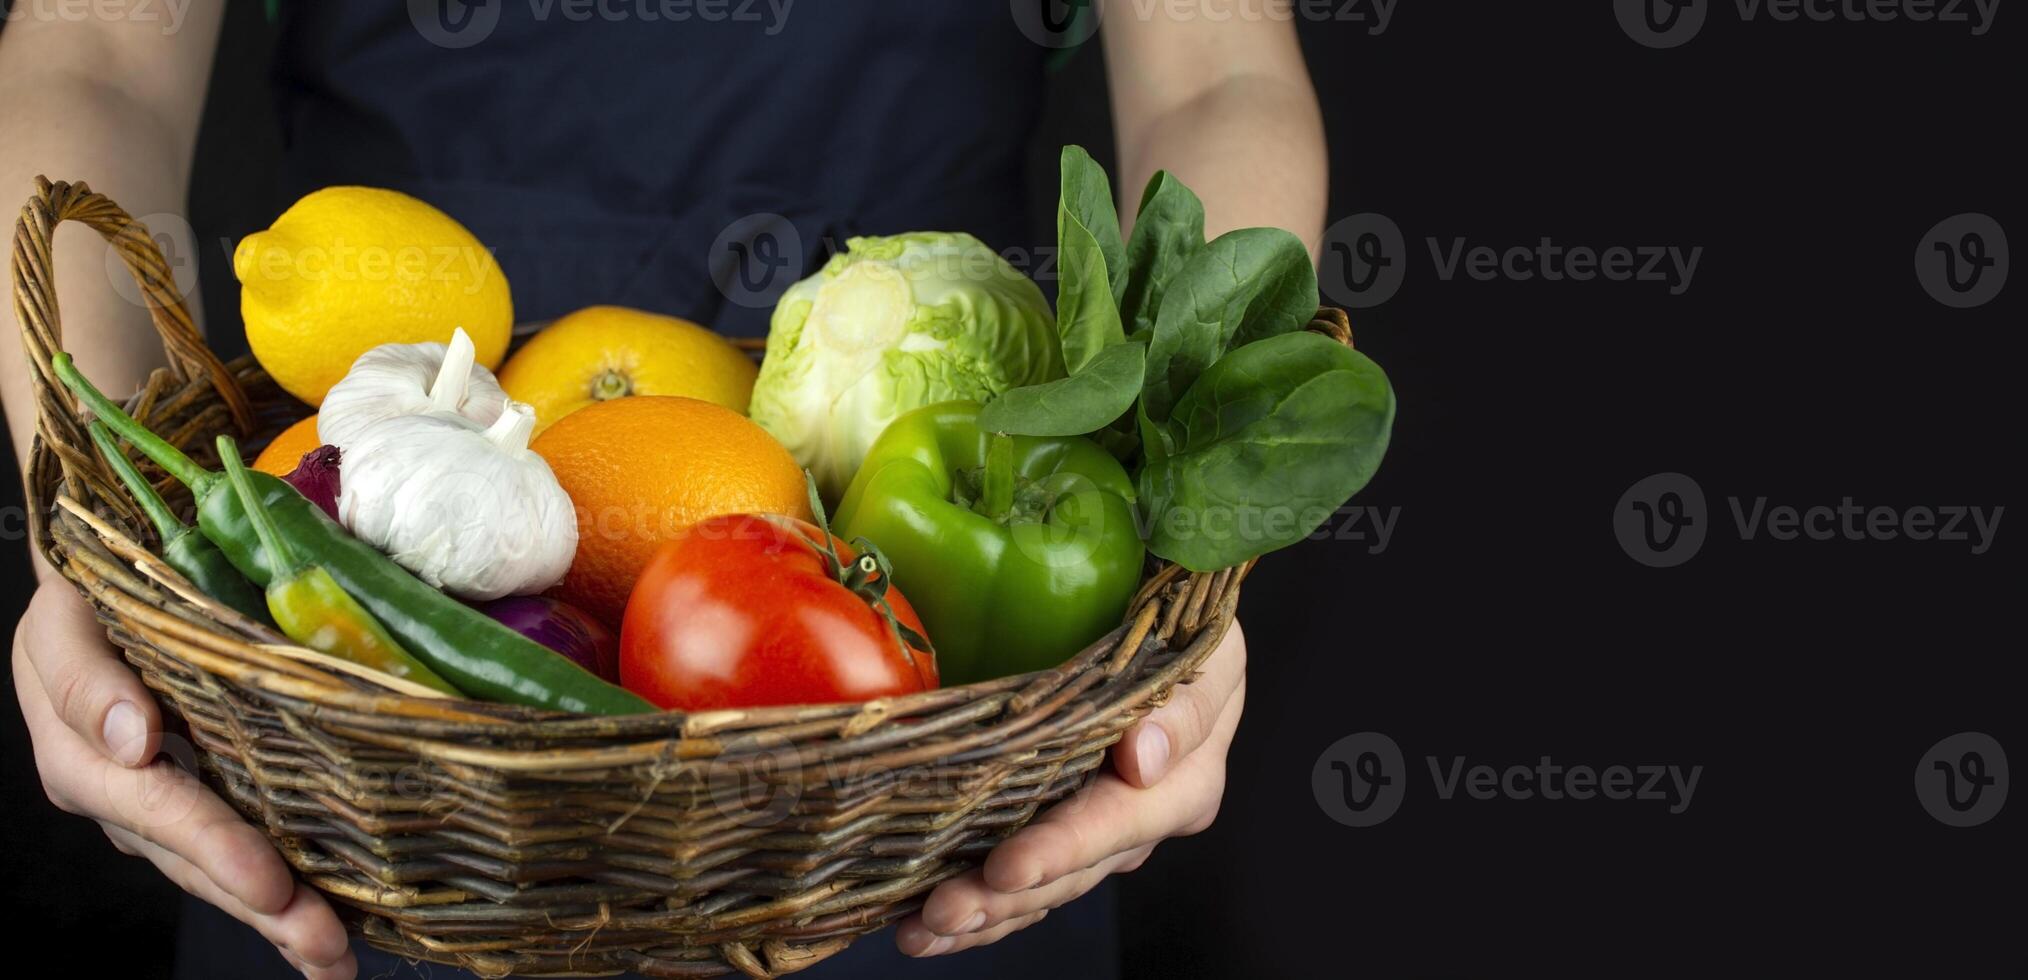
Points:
(742, 611)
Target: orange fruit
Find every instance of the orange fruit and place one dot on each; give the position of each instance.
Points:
(281, 456)
(604, 352)
(640, 470)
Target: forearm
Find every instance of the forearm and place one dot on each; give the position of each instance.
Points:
(1227, 106)
(1252, 147)
(107, 332)
(113, 104)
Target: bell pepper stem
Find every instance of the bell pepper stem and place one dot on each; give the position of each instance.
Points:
(183, 468)
(284, 558)
(167, 527)
(999, 477)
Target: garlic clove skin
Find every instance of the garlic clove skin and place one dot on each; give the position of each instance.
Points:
(395, 380)
(468, 509)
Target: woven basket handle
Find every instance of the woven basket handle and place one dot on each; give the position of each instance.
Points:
(35, 296)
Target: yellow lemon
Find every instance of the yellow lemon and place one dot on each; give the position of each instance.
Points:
(347, 269)
(604, 352)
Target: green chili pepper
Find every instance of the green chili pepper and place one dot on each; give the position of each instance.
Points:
(309, 605)
(472, 651)
(186, 551)
(1015, 551)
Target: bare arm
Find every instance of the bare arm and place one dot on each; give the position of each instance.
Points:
(113, 102)
(1226, 105)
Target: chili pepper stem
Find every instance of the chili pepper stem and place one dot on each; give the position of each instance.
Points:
(998, 495)
(279, 552)
(183, 468)
(167, 527)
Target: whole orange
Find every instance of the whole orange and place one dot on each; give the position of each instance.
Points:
(604, 352)
(642, 469)
(281, 456)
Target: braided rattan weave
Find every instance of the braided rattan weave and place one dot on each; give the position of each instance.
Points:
(509, 840)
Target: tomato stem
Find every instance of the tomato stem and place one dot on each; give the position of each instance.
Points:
(868, 577)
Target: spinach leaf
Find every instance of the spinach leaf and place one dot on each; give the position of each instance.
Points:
(1244, 286)
(1085, 196)
(1084, 402)
(1167, 229)
(1263, 448)
(1087, 319)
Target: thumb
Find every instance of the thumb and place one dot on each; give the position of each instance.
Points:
(86, 682)
(1156, 743)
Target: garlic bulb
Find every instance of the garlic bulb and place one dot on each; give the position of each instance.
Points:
(466, 506)
(393, 380)
(469, 510)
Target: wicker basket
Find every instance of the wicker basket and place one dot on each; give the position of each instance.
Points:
(510, 840)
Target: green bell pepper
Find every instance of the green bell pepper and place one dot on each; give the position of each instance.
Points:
(1016, 551)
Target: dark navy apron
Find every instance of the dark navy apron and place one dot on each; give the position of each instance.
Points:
(692, 158)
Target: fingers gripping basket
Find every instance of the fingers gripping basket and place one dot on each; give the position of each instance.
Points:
(509, 840)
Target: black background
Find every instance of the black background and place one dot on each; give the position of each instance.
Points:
(1503, 622)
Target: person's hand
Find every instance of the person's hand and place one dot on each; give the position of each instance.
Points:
(96, 731)
(1168, 776)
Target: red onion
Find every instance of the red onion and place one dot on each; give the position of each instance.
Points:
(561, 627)
(316, 477)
